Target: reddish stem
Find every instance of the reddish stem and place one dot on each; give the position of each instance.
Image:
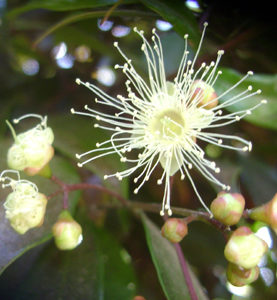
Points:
(186, 273)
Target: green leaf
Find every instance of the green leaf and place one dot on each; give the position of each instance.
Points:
(76, 134)
(99, 268)
(62, 5)
(259, 178)
(14, 245)
(167, 264)
(176, 13)
(76, 17)
(265, 115)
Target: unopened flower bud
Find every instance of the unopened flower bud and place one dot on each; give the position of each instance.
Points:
(139, 298)
(228, 208)
(244, 248)
(174, 230)
(266, 213)
(32, 149)
(238, 276)
(67, 232)
(203, 94)
(25, 206)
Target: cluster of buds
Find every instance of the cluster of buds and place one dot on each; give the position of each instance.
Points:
(25, 206)
(228, 208)
(266, 213)
(67, 232)
(174, 230)
(244, 251)
(32, 149)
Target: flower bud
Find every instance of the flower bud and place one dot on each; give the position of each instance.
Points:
(25, 206)
(266, 213)
(228, 208)
(203, 94)
(139, 298)
(174, 230)
(244, 248)
(238, 276)
(32, 149)
(67, 232)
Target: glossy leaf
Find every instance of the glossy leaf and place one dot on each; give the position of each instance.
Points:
(99, 268)
(167, 264)
(176, 13)
(62, 5)
(265, 115)
(13, 245)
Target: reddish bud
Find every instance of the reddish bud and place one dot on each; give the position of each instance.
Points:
(139, 298)
(244, 248)
(174, 230)
(228, 208)
(238, 276)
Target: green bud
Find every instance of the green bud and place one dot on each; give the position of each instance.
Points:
(32, 149)
(228, 208)
(238, 276)
(174, 230)
(25, 206)
(244, 248)
(266, 213)
(67, 232)
(203, 94)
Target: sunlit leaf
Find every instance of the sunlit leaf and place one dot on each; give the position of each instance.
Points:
(265, 115)
(168, 266)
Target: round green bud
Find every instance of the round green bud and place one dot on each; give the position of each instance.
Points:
(244, 248)
(228, 208)
(238, 276)
(31, 150)
(67, 232)
(174, 230)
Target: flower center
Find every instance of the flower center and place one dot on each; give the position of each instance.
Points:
(168, 124)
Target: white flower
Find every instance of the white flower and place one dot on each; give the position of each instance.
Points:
(25, 206)
(32, 149)
(164, 119)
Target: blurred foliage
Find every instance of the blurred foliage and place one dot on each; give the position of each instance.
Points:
(44, 46)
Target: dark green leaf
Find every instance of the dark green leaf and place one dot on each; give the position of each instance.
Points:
(76, 134)
(265, 115)
(167, 264)
(176, 13)
(62, 5)
(87, 15)
(12, 245)
(259, 178)
(99, 268)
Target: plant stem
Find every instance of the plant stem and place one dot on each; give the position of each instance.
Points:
(186, 273)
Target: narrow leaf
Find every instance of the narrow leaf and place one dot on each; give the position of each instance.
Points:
(168, 266)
